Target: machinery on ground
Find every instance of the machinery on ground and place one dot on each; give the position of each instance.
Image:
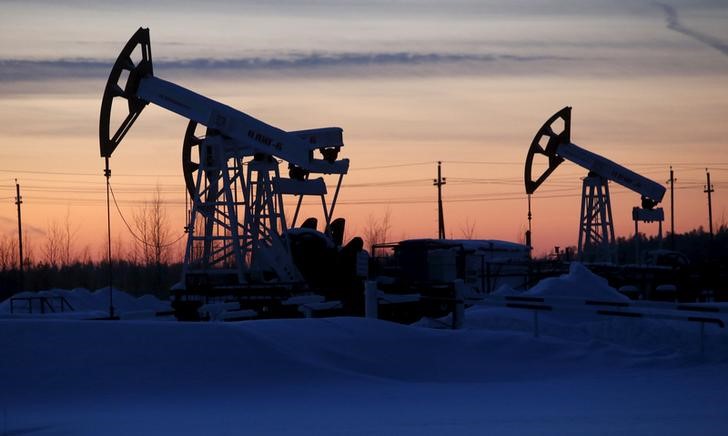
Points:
(596, 228)
(417, 277)
(240, 246)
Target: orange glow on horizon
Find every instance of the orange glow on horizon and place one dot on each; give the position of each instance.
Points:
(393, 152)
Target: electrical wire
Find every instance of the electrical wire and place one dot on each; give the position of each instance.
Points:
(478, 197)
(140, 240)
(562, 182)
(381, 167)
(60, 173)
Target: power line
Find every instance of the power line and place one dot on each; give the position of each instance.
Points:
(140, 240)
(97, 183)
(390, 183)
(61, 173)
(562, 183)
(81, 201)
(634, 164)
(677, 165)
(380, 167)
(481, 162)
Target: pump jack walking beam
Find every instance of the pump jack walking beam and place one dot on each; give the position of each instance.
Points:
(555, 143)
(142, 87)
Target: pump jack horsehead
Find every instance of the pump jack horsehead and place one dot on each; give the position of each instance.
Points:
(596, 230)
(239, 239)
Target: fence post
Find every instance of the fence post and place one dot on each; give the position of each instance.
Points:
(458, 313)
(371, 300)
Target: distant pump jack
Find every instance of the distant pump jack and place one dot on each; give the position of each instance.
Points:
(596, 227)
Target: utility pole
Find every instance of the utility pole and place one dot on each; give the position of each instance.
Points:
(18, 202)
(439, 181)
(709, 190)
(671, 182)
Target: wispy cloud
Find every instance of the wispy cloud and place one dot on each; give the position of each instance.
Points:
(673, 23)
(24, 69)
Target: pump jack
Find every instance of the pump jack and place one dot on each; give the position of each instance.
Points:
(239, 244)
(596, 228)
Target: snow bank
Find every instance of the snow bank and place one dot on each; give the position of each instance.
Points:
(659, 340)
(151, 355)
(356, 376)
(578, 283)
(506, 290)
(83, 301)
(343, 376)
(575, 322)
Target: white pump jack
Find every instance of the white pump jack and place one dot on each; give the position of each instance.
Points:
(237, 224)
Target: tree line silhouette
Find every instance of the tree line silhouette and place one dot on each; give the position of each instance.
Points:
(152, 262)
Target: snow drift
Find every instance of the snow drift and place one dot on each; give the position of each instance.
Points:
(343, 376)
(578, 283)
(88, 304)
(582, 375)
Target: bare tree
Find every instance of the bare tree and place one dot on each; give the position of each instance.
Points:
(67, 240)
(152, 230)
(141, 235)
(28, 251)
(468, 229)
(377, 231)
(119, 250)
(160, 233)
(8, 253)
(85, 256)
(53, 245)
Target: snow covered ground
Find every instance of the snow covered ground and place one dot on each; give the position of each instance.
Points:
(350, 376)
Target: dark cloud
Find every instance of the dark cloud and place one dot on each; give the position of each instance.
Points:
(673, 23)
(23, 69)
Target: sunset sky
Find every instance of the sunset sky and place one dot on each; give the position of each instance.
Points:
(411, 82)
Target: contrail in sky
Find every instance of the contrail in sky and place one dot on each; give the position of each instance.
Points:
(673, 23)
